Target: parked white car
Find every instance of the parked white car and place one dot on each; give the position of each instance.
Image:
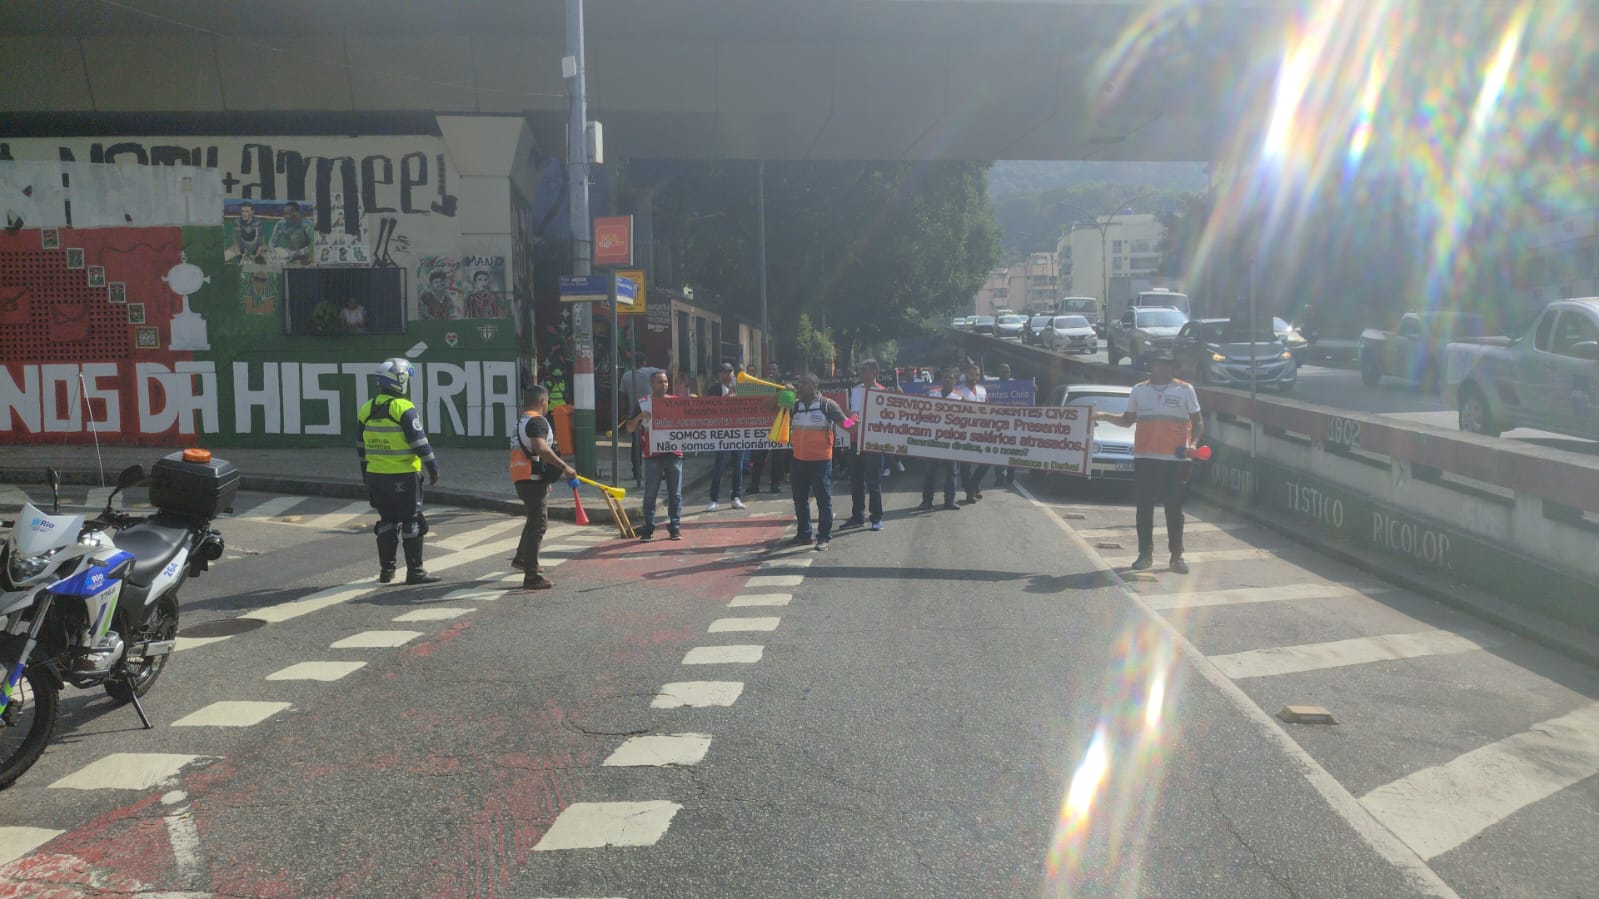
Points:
(1071, 334)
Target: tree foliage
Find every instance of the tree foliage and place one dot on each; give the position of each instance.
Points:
(873, 247)
(1033, 223)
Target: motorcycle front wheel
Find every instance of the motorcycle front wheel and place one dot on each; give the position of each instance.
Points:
(27, 723)
(163, 626)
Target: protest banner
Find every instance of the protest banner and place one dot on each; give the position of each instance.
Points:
(706, 424)
(1037, 438)
(1015, 392)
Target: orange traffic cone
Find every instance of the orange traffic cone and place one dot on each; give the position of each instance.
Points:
(582, 517)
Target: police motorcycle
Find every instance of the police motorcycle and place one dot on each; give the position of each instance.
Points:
(94, 603)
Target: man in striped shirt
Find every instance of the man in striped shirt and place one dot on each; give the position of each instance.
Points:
(1164, 415)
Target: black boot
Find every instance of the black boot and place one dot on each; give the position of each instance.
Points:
(386, 553)
(415, 573)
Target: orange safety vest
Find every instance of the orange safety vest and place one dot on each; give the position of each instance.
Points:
(524, 467)
(811, 433)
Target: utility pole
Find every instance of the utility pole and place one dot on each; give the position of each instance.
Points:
(577, 174)
(760, 242)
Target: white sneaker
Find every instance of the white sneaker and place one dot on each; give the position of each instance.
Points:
(712, 507)
(738, 503)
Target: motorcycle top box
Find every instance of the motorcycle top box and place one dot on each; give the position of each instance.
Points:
(193, 483)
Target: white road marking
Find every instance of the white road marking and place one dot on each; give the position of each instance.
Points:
(1341, 653)
(697, 694)
(738, 654)
(231, 713)
(483, 593)
(1244, 595)
(272, 508)
(1437, 809)
(562, 549)
(761, 599)
(465, 556)
(184, 643)
(660, 750)
(594, 825)
(1209, 555)
(787, 563)
(322, 671)
(775, 580)
(432, 613)
(339, 518)
(376, 640)
(185, 839)
(1124, 530)
(126, 771)
(731, 625)
(478, 534)
(15, 842)
(321, 599)
(1378, 837)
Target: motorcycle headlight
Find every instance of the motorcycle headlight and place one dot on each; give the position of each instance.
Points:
(24, 568)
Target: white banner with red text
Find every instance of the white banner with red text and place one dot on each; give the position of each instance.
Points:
(1039, 438)
(707, 424)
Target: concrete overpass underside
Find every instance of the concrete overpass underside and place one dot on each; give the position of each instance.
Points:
(775, 79)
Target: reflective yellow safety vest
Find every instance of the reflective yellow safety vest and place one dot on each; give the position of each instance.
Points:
(387, 450)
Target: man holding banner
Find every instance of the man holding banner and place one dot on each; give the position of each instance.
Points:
(866, 475)
(972, 391)
(936, 468)
(658, 466)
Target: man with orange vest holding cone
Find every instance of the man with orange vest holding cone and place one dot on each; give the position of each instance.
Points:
(536, 463)
(811, 436)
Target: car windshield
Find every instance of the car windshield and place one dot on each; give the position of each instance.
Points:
(1237, 330)
(1011, 319)
(1086, 307)
(1070, 321)
(1160, 318)
(1113, 403)
(984, 319)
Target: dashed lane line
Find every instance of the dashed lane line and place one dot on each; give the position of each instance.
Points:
(231, 713)
(1366, 825)
(318, 671)
(769, 564)
(1246, 595)
(15, 842)
(434, 613)
(1341, 653)
(734, 625)
(375, 640)
(1437, 809)
(760, 599)
(126, 771)
(737, 654)
(697, 694)
(595, 825)
(660, 751)
(775, 580)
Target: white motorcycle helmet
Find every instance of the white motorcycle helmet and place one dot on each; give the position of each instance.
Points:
(394, 375)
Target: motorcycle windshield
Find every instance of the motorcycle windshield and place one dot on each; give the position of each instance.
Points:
(36, 532)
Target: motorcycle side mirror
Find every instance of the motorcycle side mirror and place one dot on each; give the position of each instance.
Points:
(53, 478)
(130, 476)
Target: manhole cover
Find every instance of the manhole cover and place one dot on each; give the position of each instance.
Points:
(226, 627)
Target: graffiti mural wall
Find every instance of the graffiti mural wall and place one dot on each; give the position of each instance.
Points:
(244, 289)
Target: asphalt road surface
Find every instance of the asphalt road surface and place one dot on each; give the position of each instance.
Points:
(970, 703)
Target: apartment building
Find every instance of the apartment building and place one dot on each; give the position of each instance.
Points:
(1115, 246)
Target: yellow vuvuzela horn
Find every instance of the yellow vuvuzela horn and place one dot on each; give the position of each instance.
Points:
(618, 492)
(745, 377)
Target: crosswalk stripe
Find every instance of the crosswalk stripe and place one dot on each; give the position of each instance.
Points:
(1437, 809)
(1340, 653)
(271, 508)
(1210, 555)
(761, 599)
(660, 751)
(15, 842)
(738, 654)
(775, 580)
(786, 563)
(1244, 595)
(126, 771)
(231, 713)
(319, 600)
(478, 534)
(594, 825)
(697, 694)
(338, 519)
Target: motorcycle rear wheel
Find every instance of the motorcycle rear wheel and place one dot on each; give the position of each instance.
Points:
(27, 723)
(163, 626)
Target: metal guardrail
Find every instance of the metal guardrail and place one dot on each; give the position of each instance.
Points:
(1564, 479)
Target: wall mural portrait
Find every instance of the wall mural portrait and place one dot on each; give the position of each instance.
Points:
(462, 287)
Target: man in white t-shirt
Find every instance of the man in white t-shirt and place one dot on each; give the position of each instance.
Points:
(635, 386)
(973, 391)
(1164, 414)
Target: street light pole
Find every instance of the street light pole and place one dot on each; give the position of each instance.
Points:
(760, 242)
(577, 175)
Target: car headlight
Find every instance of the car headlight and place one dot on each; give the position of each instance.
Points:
(1098, 448)
(1286, 355)
(24, 568)
(1217, 357)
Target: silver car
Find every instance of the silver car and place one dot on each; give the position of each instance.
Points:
(1113, 445)
(1009, 327)
(1071, 334)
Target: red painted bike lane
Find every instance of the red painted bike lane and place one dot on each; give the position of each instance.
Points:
(438, 767)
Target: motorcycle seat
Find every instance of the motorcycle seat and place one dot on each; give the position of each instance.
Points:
(153, 545)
